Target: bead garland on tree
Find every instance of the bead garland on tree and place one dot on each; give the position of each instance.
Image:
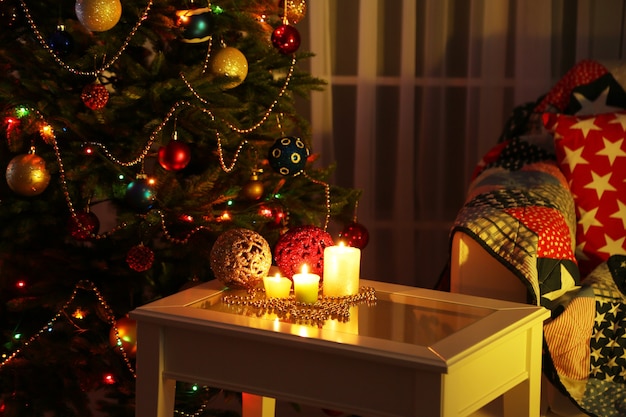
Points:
(92, 58)
(140, 194)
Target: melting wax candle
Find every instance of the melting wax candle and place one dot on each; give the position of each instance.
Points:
(306, 286)
(342, 265)
(277, 286)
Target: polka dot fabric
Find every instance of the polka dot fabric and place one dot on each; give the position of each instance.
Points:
(551, 229)
(558, 98)
(513, 155)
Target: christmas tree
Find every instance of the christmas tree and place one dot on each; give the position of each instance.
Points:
(135, 134)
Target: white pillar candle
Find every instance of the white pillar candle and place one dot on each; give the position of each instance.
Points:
(342, 268)
(306, 286)
(277, 286)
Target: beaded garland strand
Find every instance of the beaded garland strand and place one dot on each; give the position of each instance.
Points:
(149, 143)
(325, 308)
(317, 313)
(105, 66)
(84, 285)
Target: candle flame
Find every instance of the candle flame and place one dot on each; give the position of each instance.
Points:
(305, 269)
(341, 243)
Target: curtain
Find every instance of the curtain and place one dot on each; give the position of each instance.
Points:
(419, 90)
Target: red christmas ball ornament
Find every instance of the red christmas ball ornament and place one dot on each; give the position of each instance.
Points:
(125, 336)
(95, 96)
(302, 245)
(174, 156)
(286, 39)
(83, 225)
(355, 234)
(140, 258)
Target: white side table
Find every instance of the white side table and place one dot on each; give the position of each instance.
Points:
(417, 352)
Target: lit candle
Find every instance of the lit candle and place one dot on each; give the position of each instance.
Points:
(342, 266)
(277, 286)
(306, 286)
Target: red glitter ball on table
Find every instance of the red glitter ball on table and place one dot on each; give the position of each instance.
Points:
(355, 235)
(302, 245)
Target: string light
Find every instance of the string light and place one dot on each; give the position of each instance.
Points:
(109, 379)
(22, 111)
(63, 312)
(79, 314)
(47, 132)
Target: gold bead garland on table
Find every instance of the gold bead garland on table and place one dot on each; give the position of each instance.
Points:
(325, 308)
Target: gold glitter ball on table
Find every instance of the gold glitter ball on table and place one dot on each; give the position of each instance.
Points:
(229, 63)
(240, 258)
(98, 15)
(27, 175)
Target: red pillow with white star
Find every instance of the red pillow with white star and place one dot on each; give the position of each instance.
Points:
(591, 152)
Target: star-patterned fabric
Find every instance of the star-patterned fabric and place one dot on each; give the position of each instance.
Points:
(549, 202)
(591, 151)
(586, 344)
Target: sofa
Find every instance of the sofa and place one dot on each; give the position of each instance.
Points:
(544, 222)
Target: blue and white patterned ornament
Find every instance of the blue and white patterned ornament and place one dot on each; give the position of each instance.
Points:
(288, 156)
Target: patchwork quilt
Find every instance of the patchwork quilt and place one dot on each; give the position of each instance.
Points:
(569, 252)
(519, 208)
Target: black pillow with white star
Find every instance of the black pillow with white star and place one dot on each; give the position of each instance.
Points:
(603, 95)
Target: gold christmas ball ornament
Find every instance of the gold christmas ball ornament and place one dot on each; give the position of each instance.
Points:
(240, 258)
(27, 175)
(229, 64)
(253, 189)
(98, 15)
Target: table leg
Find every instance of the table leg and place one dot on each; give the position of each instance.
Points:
(155, 394)
(257, 406)
(524, 400)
